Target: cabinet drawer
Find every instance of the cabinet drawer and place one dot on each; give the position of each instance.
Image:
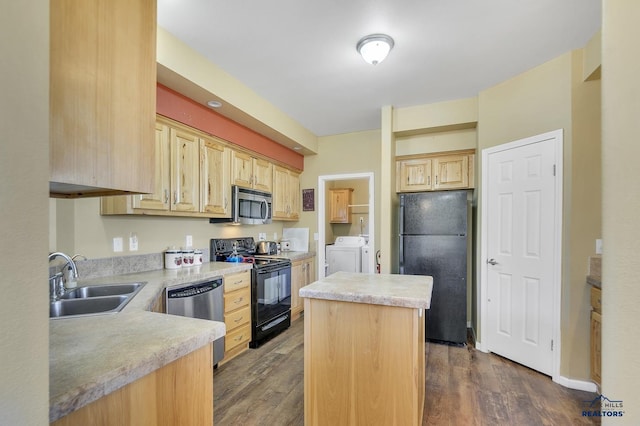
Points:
(237, 337)
(237, 281)
(596, 299)
(237, 318)
(237, 299)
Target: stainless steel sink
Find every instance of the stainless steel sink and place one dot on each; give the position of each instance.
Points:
(94, 300)
(102, 290)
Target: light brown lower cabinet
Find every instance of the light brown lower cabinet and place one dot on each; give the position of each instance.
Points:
(596, 334)
(237, 314)
(363, 364)
(303, 272)
(180, 393)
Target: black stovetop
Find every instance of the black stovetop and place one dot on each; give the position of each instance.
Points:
(222, 250)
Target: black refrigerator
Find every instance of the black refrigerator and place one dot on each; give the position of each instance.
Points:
(434, 241)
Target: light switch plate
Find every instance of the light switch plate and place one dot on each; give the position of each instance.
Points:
(189, 241)
(133, 242)
(117, 244)
(599, 246)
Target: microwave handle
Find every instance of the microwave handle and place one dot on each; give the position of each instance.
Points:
(266, 209)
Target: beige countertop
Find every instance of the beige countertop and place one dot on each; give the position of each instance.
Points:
(92, 356)
(409, 291)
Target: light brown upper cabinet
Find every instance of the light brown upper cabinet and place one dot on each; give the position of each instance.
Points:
(191, 179)
(340, 205)
(414, 175)
(185, 171)
(215, 176)
(286, 194)
(250, 172)
(159, 198)
(435, 172)
(102, 97)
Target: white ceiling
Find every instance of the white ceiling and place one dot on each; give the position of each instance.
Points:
(301, 55)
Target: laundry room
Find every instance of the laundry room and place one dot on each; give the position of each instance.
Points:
(347, 225)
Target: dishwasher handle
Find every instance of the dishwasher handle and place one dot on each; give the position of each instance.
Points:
(194, 289)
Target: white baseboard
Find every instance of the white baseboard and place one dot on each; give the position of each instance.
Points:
(582, 385)
(481, 347)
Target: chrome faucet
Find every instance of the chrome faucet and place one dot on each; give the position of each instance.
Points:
(56, 283)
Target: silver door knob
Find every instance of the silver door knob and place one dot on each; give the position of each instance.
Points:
(492, 262)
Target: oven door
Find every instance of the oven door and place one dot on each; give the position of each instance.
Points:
(272, 292)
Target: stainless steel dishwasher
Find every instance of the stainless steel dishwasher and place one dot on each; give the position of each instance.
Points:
(204, 300)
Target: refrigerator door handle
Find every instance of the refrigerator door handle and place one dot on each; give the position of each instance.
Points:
(401, 257)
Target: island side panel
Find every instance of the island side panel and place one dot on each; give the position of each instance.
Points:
(364, 364)
(180, 393)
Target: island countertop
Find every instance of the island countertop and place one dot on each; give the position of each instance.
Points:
(408, 291)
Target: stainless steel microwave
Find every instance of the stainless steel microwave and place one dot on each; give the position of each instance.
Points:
(248, 207)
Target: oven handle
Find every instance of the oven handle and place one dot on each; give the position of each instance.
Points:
(268, 269)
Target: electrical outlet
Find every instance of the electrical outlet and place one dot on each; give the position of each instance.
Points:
(598, 246)
(117, 244)
(262, 236)
(275, 236)
(133, 242)
(316, 236)
(189, 241)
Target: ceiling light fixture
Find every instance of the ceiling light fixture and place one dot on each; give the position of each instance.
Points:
(375, 47)
(214, 104)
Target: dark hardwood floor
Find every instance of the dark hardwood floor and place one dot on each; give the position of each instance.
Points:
(464, 386)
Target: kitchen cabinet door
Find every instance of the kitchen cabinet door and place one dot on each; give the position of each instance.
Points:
(262, 175)
(241, 169)
(159, 198)
(339, 205)
(250, 172)
(286, 190)
(413, 175)
(596, 347)
(303, 273)
(102, 97)
(214, 170)
(185, 173)
(451, 172)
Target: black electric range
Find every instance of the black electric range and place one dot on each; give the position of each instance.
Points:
(270, 285)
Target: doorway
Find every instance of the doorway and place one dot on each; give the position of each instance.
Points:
(362, 208)
(520, 262)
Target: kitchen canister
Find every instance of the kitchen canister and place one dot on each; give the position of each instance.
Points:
(197, 257)
(187, 257)
(172, 258)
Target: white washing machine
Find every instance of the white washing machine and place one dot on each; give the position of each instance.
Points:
(345, 255)
(364, 259)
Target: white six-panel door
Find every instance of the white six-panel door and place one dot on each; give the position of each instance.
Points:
(521, 254)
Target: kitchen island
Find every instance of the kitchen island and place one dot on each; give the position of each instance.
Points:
(364, 343)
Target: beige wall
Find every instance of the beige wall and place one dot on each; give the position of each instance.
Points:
(539, 101)
(24, 165)
(585, 223)
(82, 230)
(621, 203)
(437, 142)
(346, 153)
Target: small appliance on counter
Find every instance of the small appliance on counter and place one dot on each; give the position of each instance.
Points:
(267, 247)
(285, 244)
